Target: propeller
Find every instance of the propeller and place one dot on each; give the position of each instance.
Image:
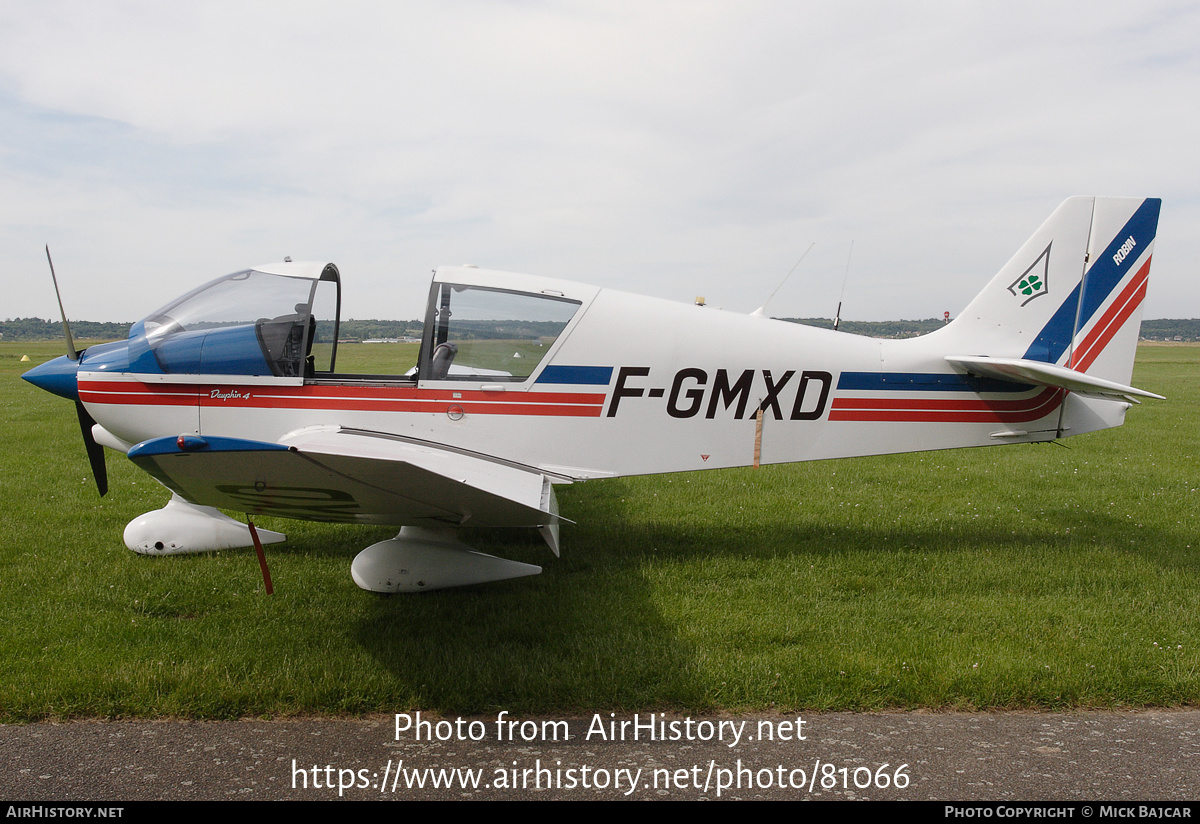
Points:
(95, 451)
(71, 353)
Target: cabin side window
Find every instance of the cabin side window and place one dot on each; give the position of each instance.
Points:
(491, 334)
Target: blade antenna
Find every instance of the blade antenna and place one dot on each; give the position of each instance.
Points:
(837, 318)
(71, 353)
(761, 312)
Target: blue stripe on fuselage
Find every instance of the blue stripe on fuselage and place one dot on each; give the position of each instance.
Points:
(580, 375)
(924, 382)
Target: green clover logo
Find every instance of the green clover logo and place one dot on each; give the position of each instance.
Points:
(1035, 282)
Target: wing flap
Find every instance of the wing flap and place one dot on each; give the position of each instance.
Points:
(347, 477)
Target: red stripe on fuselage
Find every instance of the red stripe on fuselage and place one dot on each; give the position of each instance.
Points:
(352, 398)
(124, 392)
(938, 410)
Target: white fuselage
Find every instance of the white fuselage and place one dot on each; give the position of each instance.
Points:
(632, 385)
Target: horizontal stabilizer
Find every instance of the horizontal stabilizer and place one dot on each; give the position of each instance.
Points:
(1020, 370)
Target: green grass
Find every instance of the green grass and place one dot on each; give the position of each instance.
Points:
(515, 357)
(376, 358)
(1025, 576)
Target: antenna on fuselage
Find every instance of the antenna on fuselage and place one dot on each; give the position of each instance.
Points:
(761, 312)
(837, 318)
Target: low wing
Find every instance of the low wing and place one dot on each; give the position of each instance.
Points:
(352, 476)
(1019, 370)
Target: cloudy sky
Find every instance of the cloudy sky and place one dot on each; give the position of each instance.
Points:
(670, 148)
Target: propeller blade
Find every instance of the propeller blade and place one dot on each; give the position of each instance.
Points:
(95, 451)
(71, 353)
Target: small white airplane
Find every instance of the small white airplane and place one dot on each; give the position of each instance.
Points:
(230, 396)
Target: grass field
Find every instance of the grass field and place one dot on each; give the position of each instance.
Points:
(1025, 576)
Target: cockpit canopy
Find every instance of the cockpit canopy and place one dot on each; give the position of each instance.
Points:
(282, 320)
(279, 320)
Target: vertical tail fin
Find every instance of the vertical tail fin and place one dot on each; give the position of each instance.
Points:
(1072, 295)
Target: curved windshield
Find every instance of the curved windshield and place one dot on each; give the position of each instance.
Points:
(250, 323)
(234, 300)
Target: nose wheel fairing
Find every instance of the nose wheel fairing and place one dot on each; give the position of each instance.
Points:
(182, 527)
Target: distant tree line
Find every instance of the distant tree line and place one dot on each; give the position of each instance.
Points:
(505, 329)
(22, 329)
(1171, 329)
(32, 329)
(359, 330)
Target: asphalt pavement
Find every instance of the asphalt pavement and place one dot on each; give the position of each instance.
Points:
(1115, 757)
